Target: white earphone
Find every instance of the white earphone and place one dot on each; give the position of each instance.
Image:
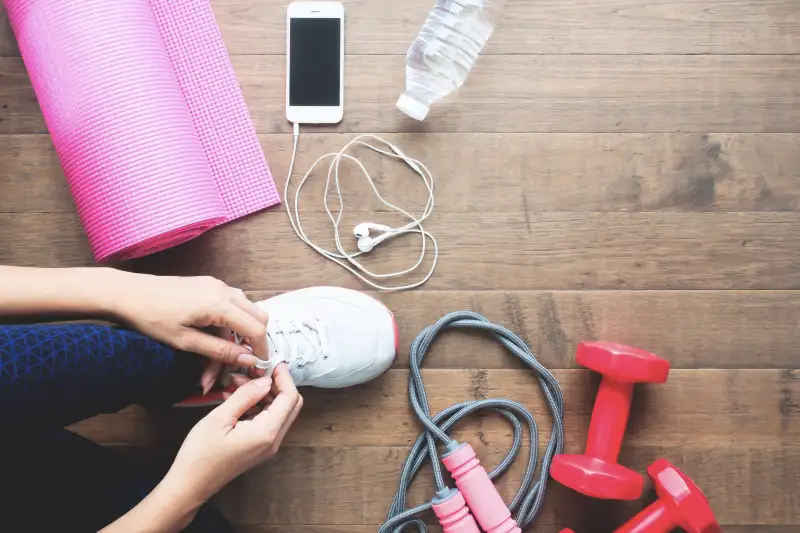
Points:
(365, 241)
(363, 231)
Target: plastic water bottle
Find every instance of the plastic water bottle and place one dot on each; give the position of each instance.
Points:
(445, 50)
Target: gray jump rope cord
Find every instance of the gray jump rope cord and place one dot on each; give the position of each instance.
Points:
(528, 501)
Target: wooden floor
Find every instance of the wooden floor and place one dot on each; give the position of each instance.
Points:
(613, 169)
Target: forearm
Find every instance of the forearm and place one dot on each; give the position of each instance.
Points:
(72, 291)
(165, 510)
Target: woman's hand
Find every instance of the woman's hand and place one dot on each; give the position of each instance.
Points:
(219, 448)
(224, 444)
(175, 311)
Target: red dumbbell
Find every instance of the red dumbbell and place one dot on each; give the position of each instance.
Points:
(680, 504)
(596, 473)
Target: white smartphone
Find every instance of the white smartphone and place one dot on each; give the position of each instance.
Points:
(315, 62)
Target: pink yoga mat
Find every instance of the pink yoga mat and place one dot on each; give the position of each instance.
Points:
(146, 116)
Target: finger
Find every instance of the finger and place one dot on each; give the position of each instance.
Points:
(239, 380)
(288, 424)
(242, 400)
(210, 375)
(247, 326)
(275, 416)
(282, 379)
(243, 302)
(259, 344)
(201, 343)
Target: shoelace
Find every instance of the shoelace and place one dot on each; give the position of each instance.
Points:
(298, 343)
(528, 501)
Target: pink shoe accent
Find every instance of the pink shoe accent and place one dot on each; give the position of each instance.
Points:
(211, 399)
(396, 334)
(479, 492)
(396, 329)
(454, 516)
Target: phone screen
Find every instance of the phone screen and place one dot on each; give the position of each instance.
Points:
(314, 61)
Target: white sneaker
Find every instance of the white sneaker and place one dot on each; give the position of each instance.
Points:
(330, 337)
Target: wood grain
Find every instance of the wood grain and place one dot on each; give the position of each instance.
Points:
(616, 172)
(707, 329)
(483, 250)
(333, 486)
(8, 44)
(587, 93)
(739, 408)
(546, 27)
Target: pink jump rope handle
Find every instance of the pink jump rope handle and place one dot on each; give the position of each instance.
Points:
(472, 480)
(453, 513)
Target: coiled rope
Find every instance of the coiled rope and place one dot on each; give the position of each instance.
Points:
(528, 501)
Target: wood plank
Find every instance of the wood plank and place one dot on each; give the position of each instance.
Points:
(548, 172)
(560, 503)
(702, 407)
(479, 251)
(548, 27)
(355, 486)
(587, 93)
(8, 44)
(732, 329)
(559, 27)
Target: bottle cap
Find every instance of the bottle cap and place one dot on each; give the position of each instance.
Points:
(412, 107)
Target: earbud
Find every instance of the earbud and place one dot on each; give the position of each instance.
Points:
(362, 230)
(367, 243)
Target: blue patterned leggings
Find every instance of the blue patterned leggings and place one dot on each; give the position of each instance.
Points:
(54, 375)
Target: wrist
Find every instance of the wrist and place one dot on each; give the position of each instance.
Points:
(164, 510)
(173, 504)
(186, 492)
(108, 287)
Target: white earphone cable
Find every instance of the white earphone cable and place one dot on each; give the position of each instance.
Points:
(349, 260)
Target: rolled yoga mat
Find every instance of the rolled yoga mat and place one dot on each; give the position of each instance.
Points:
(146, 116)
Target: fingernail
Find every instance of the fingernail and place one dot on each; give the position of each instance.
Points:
(264, 382)
(247, 359)
(207, 386)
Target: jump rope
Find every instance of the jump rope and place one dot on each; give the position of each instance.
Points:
(475, 498)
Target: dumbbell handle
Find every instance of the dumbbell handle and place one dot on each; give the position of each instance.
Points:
(609, 419)
(654, 519)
